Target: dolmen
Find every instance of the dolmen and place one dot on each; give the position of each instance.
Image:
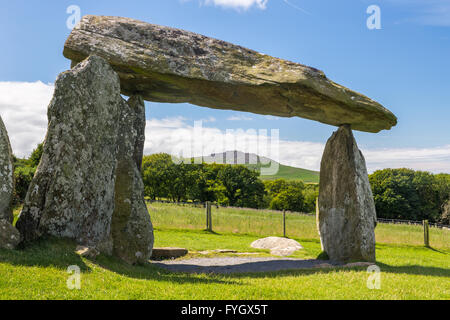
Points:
(88, 186)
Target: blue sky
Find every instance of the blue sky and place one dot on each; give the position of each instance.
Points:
(405, 66)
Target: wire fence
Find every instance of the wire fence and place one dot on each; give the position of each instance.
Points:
(215, 205)
(380, 220)
(412, 222)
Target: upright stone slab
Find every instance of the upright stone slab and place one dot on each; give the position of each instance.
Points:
(6, 175)
(72, 192)
(132, 231)
(88, 185)
(347, 216)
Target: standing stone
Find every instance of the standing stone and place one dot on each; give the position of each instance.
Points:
(72, 192)
(6, 175)
(131, 230)
(347, 216)
(88, 186)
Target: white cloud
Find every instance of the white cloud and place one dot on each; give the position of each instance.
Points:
(239, 118)
(209, 119)
(23, 108)
(302, 154)
(430, 159)
(238, 4)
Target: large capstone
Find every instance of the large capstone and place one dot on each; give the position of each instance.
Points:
(75, 191)
(347, 216)
(170, 65)
(6, 175)
(131, 230)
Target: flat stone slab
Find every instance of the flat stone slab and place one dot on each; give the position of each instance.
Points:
(161, 253)
(170, 65)
(228, 265)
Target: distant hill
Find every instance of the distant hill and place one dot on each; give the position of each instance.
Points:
(254, 161)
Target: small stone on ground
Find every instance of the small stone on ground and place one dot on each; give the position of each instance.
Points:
(278, 246)
(87, 252)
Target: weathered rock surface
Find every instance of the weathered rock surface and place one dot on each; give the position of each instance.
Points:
(6, 175)
(278, 246)
(131, 230)
(169, 65)
(72, 193)
(9, 236)
(88, 186)
(347, 216)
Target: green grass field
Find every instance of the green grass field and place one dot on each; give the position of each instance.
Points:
(408, 270)
(284, 171)
(292, 173)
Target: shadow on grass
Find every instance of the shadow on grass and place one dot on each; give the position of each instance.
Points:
(415, 270)
(290, 267)
(268, 270)
(435, 250)
(257, 267)
(151, 271)
(60, 254)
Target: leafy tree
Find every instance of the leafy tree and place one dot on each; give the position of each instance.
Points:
(276, 186)
(202, 182)
(24, 170)
(22, 176)
(156, 175)
(291, 199)
(409, 194)
(286, 195)
(242, 186)
(36, 155)
(310, 195)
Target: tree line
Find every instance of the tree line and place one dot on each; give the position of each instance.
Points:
(398, 193)
(411, 195)
(227, 185)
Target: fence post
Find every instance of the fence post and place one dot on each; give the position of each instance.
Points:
(426, 233)
(208, 216)
(284, 223)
